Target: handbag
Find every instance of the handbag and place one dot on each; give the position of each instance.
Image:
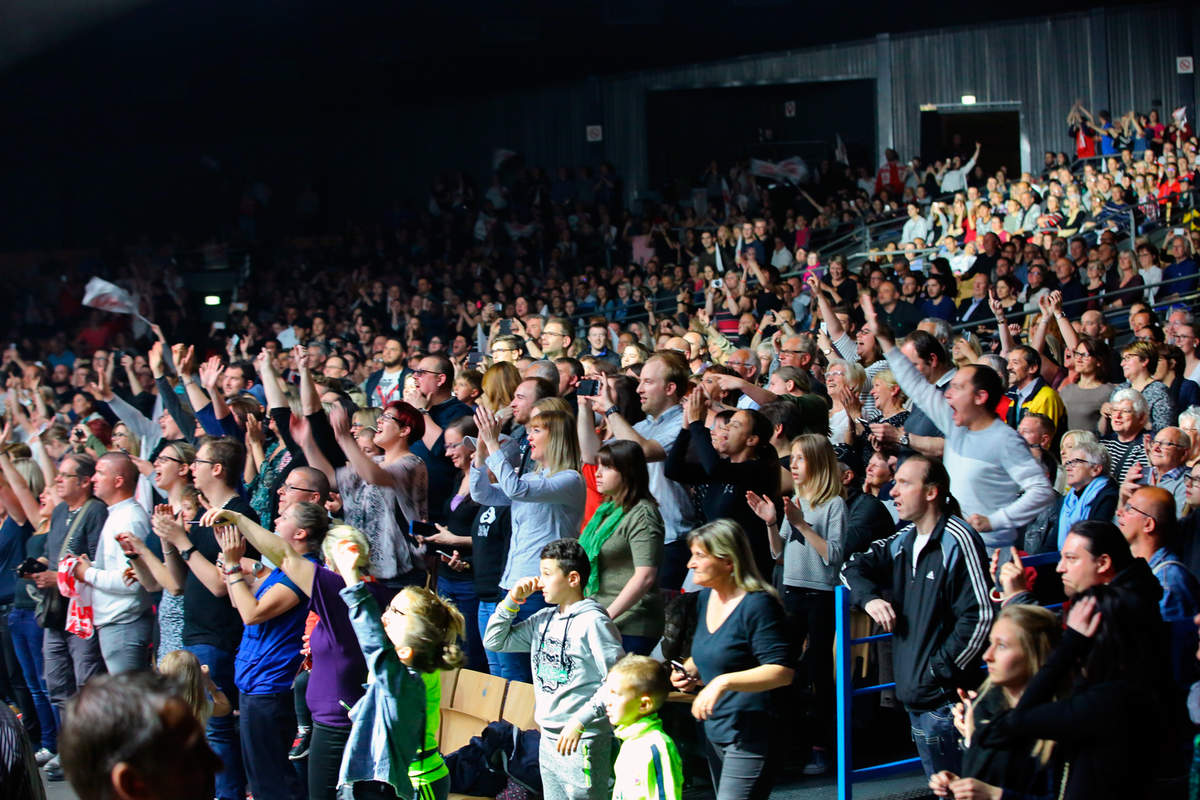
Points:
(50, 607)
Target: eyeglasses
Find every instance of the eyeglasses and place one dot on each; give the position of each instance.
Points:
(1074, 462)
(1131, 507)
(549, 332)
(1121, 412)
(290, 488)
(203, 461)
(427, 372)
(1083, 354)
(387, 417)
(162, 457)
(792, 352)
(1157, 444)
(1191, 480)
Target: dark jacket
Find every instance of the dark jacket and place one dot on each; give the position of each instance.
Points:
(1108, 733)
(867, 519)
(943, 613)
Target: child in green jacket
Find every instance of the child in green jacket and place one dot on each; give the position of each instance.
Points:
(648, 766)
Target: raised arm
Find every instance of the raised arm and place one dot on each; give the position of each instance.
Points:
(24, 503)
(294, 565)
(832, 325)
(589, 440)
(359, 461)
(621, 428)
(277, 600)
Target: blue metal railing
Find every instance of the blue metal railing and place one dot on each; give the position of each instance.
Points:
(846, 775)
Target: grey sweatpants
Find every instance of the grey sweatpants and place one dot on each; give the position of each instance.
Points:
(584, 775)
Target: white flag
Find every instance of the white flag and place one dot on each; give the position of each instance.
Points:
(106, 296)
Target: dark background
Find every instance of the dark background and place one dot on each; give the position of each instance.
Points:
(128, 117)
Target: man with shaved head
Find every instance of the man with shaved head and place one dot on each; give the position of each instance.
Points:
(1147, 521)
(121, 612)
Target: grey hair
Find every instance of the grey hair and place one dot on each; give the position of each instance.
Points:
(997, 364)
(941, 329)
(1192, 414)
(1140, 407)
(1094, 453)
(856, 376)
(543, 368)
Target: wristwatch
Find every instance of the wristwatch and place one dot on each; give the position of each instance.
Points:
(904, 439)
(186, 554)
(612, 410)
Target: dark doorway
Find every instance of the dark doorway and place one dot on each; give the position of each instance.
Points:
(954, 131)
(686, 129)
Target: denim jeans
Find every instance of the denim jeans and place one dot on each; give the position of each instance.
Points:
(12, 679)
(462, 592)
(126, 646)
(223, 731)
(515, 666)
(495, 665)
(27, 641)
(936, 740)
(69, 663)
(267, 724)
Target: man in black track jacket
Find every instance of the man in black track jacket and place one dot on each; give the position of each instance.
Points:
(935, 571)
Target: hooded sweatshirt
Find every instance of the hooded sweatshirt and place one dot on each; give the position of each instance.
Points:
(570, 655)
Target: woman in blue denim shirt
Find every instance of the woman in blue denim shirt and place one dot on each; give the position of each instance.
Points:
(415, 638)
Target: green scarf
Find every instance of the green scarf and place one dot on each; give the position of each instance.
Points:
(607, 517)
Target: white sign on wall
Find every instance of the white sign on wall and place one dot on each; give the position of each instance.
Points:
(1184, 65)
(595, 133)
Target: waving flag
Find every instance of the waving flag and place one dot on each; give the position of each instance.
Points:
(106, 296)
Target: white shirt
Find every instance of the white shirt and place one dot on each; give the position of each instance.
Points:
(114, 601)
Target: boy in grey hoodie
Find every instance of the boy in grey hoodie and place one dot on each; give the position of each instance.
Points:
(572, 646)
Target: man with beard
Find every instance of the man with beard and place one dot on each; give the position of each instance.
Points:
(386, 385)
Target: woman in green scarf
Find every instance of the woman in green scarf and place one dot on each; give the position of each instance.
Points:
(624, 543)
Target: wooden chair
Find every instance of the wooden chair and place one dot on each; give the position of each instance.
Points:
(518, 705)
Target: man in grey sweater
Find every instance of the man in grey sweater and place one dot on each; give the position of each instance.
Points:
(993, 475)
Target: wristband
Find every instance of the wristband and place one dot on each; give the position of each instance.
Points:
(237, 580)
(234, 570)
(611, 410)
(132, 556)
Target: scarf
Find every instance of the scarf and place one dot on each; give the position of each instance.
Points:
(606, 519)
(1076, 506)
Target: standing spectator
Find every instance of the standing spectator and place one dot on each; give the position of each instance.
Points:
(269, 653)
(742, 459)
(941, 622)
(434, 399)
(1087, 394)
(75, 526)
(740, 653)
(661, 385)
(997, 480)
(623, 541)
(1128, 413)
(812, 540)
(212, 628)
(1139, 361)
(385, 385)
(122, 616)
(546, 505)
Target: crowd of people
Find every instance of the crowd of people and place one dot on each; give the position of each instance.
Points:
(550, 451)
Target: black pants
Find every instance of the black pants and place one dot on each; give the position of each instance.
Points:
(300, 699)
(268, 722)
(324, 761)
(810, 617)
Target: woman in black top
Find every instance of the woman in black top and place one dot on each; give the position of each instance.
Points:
(739, 654)
(454, 539)
(743, 460)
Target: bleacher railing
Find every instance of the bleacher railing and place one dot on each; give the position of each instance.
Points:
(847, 775)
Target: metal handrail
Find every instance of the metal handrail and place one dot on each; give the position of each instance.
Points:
(846, 774)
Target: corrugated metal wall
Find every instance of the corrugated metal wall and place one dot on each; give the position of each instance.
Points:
(1116, 58)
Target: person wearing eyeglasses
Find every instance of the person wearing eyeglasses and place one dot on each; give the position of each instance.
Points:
(1167, 453)
(1147, 521)
(1091, 493)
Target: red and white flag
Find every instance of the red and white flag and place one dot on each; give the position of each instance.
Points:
(106, 296)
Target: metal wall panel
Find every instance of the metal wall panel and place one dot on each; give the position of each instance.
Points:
(1123, 57)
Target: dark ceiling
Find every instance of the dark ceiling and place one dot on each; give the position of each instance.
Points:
(323, 54)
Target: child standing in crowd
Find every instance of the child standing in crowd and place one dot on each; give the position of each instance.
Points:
(648, 765)
(395, 724)
(195, 686)
(573, 645)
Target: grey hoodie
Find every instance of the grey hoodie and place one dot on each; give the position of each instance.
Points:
(570, 656)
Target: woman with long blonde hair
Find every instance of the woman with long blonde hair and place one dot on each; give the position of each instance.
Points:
(547, 503)
(1021, 640)
(811, 539)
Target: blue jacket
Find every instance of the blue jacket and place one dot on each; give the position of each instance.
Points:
(388, 720)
